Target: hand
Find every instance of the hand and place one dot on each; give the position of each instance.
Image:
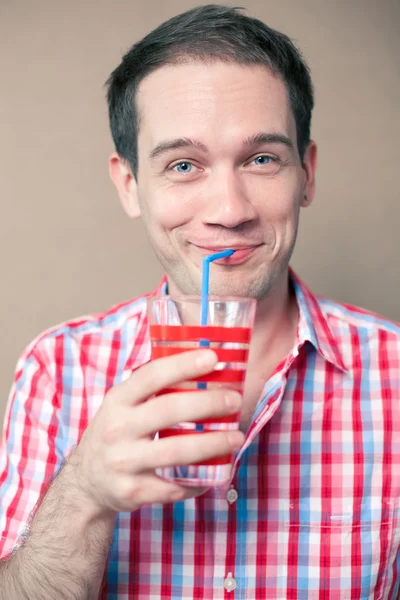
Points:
(117, 457)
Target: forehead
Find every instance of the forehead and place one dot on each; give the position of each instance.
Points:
(204, 100)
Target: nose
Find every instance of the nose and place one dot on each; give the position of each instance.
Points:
(226, 202)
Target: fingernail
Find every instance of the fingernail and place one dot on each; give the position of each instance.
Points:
(235, 440)
(233, 400)
(207, 358)
(177, 495)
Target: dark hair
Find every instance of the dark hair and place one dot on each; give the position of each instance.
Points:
(206, 33)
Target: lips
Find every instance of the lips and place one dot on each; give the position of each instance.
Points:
(241, 254)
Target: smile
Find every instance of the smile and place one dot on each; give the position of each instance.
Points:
(241, 255)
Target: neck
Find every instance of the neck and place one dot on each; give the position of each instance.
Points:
(273, 337)
(275, 325)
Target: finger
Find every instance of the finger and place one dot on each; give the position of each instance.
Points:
(170, 409)
(147, 455)
(164, 372)
(148, 488)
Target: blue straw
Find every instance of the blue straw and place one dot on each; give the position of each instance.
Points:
(205, 283)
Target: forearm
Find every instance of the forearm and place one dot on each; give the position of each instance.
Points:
(65, 552)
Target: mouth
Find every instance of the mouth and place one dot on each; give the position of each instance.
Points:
(241, 254)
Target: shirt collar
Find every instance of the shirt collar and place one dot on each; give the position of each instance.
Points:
(313, 325)
(162, 288)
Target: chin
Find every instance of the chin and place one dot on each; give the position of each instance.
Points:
(233, 282)
(254, 289)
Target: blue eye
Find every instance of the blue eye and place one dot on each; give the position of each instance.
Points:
(183, 167)
(263, 160)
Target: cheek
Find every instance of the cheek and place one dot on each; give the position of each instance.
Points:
(165, 208)
(278, 210)
(277, 195)
(278, 205)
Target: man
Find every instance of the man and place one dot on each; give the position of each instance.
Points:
(210, 114)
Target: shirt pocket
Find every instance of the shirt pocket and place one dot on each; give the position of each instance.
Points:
(350, 554)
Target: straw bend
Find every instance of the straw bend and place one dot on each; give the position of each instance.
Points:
(205, 281)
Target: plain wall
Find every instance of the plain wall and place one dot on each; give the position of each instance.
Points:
(67, 248)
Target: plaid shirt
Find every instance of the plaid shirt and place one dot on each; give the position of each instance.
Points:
(312, 510)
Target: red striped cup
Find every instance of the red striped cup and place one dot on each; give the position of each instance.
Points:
(174, 328)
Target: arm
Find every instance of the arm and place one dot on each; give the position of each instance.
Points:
(66, 548)
(112, 470)
(33, 449)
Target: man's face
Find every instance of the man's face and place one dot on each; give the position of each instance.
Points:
(219, 168)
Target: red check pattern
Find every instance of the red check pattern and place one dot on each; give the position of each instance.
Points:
(316, 511)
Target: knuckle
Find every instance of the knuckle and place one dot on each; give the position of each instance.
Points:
(145, 375)
(183, 364)
(164, 371)
(160, 407)
(171, 408)
(183, 404)
(117, 462)
(169, 455)
(212, 403)
(128, 491)
(111, 433)
(194, 362)
(218, 402)
(218, 443)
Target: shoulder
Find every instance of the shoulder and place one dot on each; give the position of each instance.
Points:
(93, 334)
(350, 316)
(368, 342)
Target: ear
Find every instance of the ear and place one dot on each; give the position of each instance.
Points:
(126, 185)
(309, 167)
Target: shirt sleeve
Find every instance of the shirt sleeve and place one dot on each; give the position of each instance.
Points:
(28, 451)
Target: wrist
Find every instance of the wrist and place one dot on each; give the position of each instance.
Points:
(79, 495)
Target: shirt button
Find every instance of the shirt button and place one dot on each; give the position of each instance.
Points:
(230, 583)
(232, 496)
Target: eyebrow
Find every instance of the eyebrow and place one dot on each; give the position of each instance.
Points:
(268, 138)
(167, 145)
(184, 142)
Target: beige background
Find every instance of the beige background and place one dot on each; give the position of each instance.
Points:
(67, 248)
